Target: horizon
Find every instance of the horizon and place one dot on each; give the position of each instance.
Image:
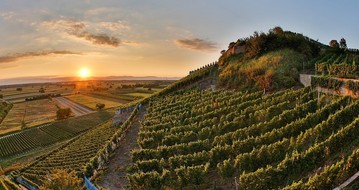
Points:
(51, 79)
(163, 39)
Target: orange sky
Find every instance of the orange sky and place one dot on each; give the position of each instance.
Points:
(165, 38)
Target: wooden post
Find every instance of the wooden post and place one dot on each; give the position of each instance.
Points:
(235, 181)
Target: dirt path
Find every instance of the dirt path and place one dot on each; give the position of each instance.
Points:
(77, 109)
(114, 176)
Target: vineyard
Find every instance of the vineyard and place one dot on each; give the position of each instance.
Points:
(35, 138)
(83, 154)
(6, 184)
(292, 139)
(339, 65)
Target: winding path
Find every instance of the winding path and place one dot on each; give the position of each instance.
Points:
(114, 176)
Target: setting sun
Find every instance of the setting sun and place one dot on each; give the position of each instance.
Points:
(84, 73)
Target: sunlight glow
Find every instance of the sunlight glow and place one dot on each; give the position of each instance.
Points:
(84, 73)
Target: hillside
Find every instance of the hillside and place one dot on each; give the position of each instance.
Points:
(272, 61)
(202, 139)
(192, 136)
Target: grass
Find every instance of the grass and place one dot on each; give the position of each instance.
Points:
(143, 93)
(91, 102)
(32, 113)
(274, 70)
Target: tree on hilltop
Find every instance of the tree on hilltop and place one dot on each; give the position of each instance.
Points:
(334, 44)
(277, 30)
(343, 44)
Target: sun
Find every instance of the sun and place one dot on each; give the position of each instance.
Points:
(84, 73)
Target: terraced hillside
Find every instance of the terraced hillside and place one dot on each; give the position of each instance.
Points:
(293, 139)
(81, 154)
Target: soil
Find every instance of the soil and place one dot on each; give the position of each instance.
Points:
(114, 176)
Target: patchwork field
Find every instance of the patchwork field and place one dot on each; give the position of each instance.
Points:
(15, 96)
(29, 114)
(91, 102)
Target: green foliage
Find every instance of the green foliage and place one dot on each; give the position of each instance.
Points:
(261, 43)
(63, 113)
(33, 138)
(7, 184)
(82, 153)
(327, 82)
(335, 84)
(62, 180)
(42, 90)
(226, 168)
(334, 44)
(100, 106)
(149, 180)
(271, 141)
(338, 64)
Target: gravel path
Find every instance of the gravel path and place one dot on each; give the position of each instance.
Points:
(77, 109)
(114, 176)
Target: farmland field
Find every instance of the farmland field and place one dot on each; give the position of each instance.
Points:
(32, 113)
(13, 95)
(91, 102)
(39, 137)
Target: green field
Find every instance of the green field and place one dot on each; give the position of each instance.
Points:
(91, 102)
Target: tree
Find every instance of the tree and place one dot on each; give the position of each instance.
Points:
(343, 44)
(334, 44)
(61, 179)
(42, 90)
(1, 96)
(63, 113)
(277, 30)
(100, 106)
(18, 89)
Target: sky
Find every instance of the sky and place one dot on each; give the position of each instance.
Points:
(165, 38)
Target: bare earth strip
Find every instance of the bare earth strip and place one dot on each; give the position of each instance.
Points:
(77, 109)
(114, 176)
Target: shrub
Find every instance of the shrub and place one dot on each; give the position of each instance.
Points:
(63, 113)
(100, 106)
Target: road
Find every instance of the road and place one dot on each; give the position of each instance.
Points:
(77, 109)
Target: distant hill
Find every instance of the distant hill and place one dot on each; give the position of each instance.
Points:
(45, 79)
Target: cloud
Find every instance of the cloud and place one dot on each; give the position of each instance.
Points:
(79, 29)
(7, 15)
(100, 39)
(115, 26)
(196, 44)
(17, 56)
